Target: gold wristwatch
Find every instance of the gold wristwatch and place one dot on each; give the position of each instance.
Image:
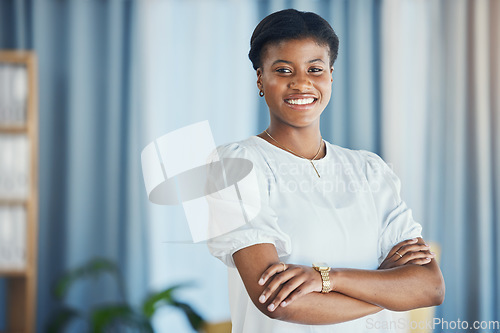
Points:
(324, 270)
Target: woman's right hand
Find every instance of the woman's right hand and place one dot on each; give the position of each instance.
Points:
(412, 251)
(294, 280)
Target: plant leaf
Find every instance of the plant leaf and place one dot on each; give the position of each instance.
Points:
(159, 299)
(94, 267)
(194, 318)
(61, 318)
(105, 316)
(166, 297)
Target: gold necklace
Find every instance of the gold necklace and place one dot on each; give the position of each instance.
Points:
(291, 151)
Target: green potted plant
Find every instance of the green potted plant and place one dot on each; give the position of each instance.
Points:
(113, 316)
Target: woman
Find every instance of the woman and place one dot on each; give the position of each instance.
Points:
(319, 203)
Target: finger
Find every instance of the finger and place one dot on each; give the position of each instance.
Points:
(298, 292)
(397, 256)
(415, 256)
(401, 244)
(390, 261)
(270, 271)
(409, 258)
(420, 262)
(274, 284)
(413, 248)
(401, 253)
(289, 287)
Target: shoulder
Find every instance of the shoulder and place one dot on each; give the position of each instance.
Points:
(242, 147)
(249, 148)
(381, 176)
(373, 162)
(365, 163)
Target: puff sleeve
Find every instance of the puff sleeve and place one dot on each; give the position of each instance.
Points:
(260, 222)
(395, 218)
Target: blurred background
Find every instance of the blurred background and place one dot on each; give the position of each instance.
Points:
(416, 81)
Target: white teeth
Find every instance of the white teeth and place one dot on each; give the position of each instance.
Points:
(301, 101)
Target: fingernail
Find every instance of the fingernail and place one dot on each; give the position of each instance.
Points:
(414, 239)
(262, 298)
(283, 304)
(270, 307)
(261, 281)
(433, 253)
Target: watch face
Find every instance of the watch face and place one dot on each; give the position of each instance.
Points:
(321, 266)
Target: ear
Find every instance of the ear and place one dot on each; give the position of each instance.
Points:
(331, 74)
(259, 78)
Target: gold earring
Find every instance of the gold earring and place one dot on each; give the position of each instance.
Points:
(261, 93)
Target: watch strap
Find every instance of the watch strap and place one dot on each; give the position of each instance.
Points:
(324, 271)
(325, 277)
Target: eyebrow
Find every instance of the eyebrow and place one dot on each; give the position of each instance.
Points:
(289, 62)
(315, 60)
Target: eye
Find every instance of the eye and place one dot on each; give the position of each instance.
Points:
(316, 70)
(283, 70)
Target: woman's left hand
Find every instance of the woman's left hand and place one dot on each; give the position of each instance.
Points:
(411, 251)
(296, 281)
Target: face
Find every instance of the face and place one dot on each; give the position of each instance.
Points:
(297, 81)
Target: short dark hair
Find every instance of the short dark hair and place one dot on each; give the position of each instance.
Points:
(291, 24)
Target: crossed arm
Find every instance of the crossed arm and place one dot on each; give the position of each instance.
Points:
(401, 283)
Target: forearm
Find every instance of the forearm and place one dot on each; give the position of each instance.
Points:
(320, 309)
(399, 289)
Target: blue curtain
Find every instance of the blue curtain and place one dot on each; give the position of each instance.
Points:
(91, 191)
(441, 80)
(463, 154)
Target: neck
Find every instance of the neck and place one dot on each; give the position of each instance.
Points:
(302, 141)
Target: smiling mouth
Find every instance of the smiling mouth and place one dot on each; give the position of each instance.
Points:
(301, 101)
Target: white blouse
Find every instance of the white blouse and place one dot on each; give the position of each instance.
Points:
(350, 217)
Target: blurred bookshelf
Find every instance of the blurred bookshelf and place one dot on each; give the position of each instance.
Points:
(18, 188)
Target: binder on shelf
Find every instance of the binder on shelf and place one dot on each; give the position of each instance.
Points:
(14, 166)
(13, 94)
(12, 238)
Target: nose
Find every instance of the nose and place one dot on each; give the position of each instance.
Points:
(300, 82)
